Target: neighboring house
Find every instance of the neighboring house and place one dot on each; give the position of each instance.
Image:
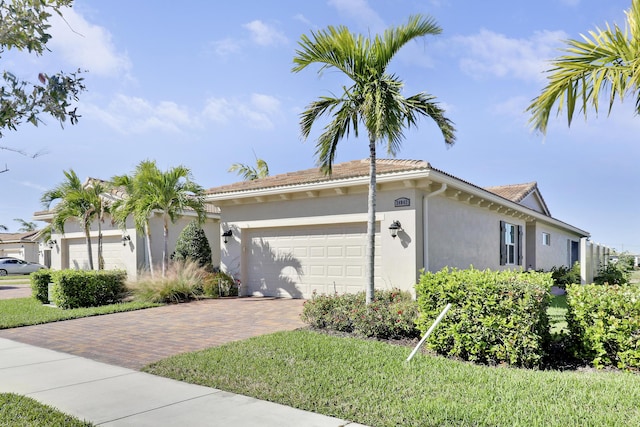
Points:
(20, 245)
(122, 249)
(294, 234)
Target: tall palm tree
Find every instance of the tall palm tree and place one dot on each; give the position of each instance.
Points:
(374, 100)
(75, 201)
(604, 61)
(250, 173)
(132, 186)
(25, 226)
(170, 193)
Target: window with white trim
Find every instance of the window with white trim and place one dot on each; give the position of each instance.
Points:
(546, 239)
(510, 244)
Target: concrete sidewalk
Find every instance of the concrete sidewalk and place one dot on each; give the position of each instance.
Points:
(109, 395)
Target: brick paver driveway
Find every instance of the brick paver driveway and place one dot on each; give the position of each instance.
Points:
(136, 338)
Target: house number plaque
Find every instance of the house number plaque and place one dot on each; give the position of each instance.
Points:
(401, 202)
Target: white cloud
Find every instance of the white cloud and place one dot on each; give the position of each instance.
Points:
(129, 115)
(30, 184)
(226, 46)
(263, 34)
(259, 111)
(490, 53)
(360, 10)
(300, 17)
(86, 46)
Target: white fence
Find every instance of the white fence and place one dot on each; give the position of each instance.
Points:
(592, 257)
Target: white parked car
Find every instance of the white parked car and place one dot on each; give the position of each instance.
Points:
(18, 266)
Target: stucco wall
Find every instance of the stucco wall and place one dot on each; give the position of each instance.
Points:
(134, 252)
(399, 255)
(461, 234)
(557, 253)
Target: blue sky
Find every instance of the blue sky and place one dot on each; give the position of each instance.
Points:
(206, 84)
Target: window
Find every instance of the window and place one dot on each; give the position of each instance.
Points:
(510, 244)
(546, 239)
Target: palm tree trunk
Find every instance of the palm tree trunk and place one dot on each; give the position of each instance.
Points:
(165, 248)
(89, 252)
(147, 232)
(371, 222)
(100, 257)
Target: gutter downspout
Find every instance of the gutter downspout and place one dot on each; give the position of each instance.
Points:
(425, 216)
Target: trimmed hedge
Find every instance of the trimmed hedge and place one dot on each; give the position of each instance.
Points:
(40, 285)
(604, 322)
(79, 288)
(392, 314)
(496, 316)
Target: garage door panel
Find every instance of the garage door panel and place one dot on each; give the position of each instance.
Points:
(296, 261)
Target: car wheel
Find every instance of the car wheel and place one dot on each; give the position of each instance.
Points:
(3, 272)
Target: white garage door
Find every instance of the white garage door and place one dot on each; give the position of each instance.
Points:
(112, 253)
(295, 261)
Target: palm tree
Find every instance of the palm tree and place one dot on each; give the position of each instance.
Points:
(374, 100)
(25, 226)
(604, 61)
(171, 193)
(250, 173)
(75, 201)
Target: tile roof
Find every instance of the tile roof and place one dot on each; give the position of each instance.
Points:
(29, 236)
(514, 192)
(346, 170)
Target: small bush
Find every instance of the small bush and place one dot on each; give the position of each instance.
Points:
(79, 288)
(183, 281)
(563, 275)
(604, 323)
(612, 274)
(496, 316)
(219, 284)
(192, 244)
(40, 285)
(392, 314)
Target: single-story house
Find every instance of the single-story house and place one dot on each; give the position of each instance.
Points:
(294, 234)
(123, 249)
(20, 245)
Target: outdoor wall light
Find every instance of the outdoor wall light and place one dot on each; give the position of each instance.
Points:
(126, 238)
(51, 243)
(394, 228)
(226, 235)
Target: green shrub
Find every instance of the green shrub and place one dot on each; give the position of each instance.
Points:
(496, 316)
(79, 288)
(392, 314)
(563, 275)
(183, 281)
(612, 274)
(40, 285)
(192, 244)
(604, 323)
(219, 284)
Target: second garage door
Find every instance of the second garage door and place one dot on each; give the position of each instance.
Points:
(111, 253)
(295, 261)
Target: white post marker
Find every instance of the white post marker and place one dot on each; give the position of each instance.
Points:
(424, 338)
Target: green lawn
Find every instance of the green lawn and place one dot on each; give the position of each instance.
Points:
(29, 311)
(369, 382)
(557, 311)
(20, 411)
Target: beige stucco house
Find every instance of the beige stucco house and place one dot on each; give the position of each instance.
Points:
(294, 234)
(122, 249)
(20, 245)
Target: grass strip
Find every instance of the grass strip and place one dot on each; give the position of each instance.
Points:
(29, 311)
(21, 411)
(369, 382)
